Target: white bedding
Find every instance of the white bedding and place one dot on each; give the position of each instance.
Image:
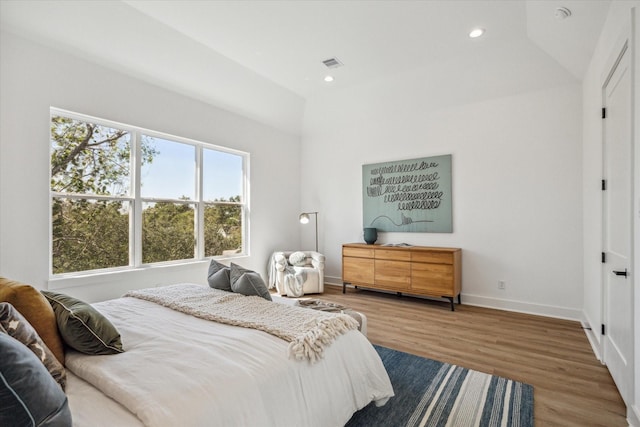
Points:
(181, 370)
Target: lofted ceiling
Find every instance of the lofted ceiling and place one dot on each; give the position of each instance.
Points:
(263, 59)
(286, 41)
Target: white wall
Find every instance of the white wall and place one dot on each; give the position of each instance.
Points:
(633, 414)
(516, 173)
(35, 77)
(616, 28)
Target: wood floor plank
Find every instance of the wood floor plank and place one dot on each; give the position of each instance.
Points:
(571, 387)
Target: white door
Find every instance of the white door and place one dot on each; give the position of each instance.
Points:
(617, 283)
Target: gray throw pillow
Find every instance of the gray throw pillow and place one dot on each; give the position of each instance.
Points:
(14, 324)
(83, 327)
(218, 276)
(28, 394)
(248, 282)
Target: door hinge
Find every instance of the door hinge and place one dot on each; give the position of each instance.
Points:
(604, 184)
(602, 330)
(604, 113)
(604, 257)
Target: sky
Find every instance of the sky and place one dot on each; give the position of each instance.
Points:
(172, 173)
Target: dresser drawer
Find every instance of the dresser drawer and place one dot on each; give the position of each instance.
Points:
(432, 257)
(433, 279)
(393, 274)
(390, 254)
(357, 270)
(358, 252)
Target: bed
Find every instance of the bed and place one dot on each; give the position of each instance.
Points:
(179, 369)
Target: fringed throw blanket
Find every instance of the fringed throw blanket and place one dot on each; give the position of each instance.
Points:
(308, 332)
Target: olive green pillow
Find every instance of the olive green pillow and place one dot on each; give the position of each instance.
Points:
(82, 327)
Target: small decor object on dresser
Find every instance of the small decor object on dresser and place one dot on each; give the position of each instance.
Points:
(370, 235)
(418, 270)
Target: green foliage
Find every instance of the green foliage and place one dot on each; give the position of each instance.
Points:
(89, 235)
(223, 228)
(92, 159)
(168, 232)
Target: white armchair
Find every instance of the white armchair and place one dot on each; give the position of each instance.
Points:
(305, 277)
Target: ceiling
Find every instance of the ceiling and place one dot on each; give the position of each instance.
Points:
(286, 41)
(247, 56)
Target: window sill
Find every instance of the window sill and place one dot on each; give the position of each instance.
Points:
(106, 277)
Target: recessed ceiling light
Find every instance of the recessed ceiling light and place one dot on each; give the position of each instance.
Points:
(476, 32)
(328, 79)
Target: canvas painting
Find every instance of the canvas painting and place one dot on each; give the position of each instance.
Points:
(408, 195)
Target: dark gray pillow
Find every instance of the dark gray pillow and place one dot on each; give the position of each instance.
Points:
(14, 324)
(28, 393)
(247, 282)
(218, 276)
(83, 327)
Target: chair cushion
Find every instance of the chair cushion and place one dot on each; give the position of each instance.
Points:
(83, 327)
(218, 276)
(14, 324)
(28, 394)
(36, 310)
(248, 282)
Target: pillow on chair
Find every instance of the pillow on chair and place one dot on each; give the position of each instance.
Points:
(248, 282)
(218, 276)
(299, 259)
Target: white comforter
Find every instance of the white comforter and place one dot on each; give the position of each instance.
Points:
(179, 370)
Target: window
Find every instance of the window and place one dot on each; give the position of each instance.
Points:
(122, 197)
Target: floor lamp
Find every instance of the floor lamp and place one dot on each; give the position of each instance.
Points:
(304, 219)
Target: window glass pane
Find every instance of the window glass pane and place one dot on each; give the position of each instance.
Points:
(171, 171)
(167, 232)
(222, 176)
(87, 158)
(89, 234)
(222, 229)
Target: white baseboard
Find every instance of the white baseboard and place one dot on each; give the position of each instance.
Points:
(332, 280)
(591, 331)
(633, 416)
(522, 307)
(503, 304)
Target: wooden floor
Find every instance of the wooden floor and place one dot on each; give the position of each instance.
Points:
(571, 387)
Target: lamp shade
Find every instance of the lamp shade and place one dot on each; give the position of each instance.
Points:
(304, 218)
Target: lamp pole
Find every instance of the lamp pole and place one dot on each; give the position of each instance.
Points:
(304, 219)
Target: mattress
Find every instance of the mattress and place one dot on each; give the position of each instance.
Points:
(181, 370)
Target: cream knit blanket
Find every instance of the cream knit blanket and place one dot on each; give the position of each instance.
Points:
(308, 332)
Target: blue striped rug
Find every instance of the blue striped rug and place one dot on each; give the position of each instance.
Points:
(432, 394)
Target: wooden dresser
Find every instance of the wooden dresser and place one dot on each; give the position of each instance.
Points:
(418, 270)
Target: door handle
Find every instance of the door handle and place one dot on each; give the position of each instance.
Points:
(620, 273)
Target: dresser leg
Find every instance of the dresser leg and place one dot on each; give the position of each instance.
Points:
(344, 287)
(451, 302)
(459, 300)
